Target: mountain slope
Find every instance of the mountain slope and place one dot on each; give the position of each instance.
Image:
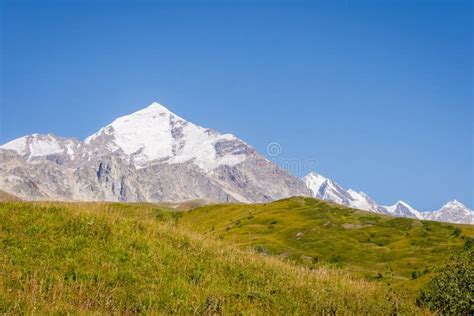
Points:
(316, 233)
(149, 155)
(4, 196)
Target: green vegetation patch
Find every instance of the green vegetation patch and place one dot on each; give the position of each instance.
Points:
(130, 258)
(400, 252)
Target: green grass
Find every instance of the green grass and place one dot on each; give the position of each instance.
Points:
(127, 258)
(399, 252)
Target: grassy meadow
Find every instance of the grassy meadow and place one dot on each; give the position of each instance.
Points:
(130, 258)
(400, 253)
(297, 256)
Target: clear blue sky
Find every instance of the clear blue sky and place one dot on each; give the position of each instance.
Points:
(380, 93)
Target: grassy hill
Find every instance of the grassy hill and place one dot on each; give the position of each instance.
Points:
(128, 258)
(400, 252)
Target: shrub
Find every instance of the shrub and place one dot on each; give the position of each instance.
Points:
(452, 291)
(468, 244)
(261, 249)
(457, 232)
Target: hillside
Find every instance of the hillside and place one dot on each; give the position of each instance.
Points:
(400, 252)
(129, 258)
(4, 196)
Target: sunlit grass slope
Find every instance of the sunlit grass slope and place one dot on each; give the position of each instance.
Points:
(401, 252)
(121, 258)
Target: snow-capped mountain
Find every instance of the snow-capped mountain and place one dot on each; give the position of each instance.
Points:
(402, 209)
(362, 201)
(150, 155)
(36, 145)
(454, 212)
(328, 190)
(156, 134)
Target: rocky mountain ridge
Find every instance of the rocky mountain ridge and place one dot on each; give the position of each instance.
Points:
(328, 190)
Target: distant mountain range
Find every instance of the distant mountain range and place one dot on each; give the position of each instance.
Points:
(154, 155)
(328, 190)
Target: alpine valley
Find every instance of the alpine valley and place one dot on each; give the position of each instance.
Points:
(153, 155)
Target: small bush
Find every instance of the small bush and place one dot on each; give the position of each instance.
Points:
(261, 249)
(451, 292)
(468, 244)
(456, 232)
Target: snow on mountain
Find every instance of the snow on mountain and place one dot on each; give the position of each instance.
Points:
(402, 209)
(37, 145)
(331, 191)
(314, 181)
(154, 133)
(326, 189)
(454, 212)
(362, 201)
(149, 155)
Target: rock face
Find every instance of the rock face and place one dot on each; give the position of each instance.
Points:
(328, 190)
(149, 155)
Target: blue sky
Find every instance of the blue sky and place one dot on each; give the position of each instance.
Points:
(379, 93)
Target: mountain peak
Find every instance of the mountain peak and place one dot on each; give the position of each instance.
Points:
(454, 203)
(153, 108)
(314, 181)
(400, 202)
(403, 209)
(315, 175)
(156, 134)
(453, 211)
(148, 155)
(400, 205)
